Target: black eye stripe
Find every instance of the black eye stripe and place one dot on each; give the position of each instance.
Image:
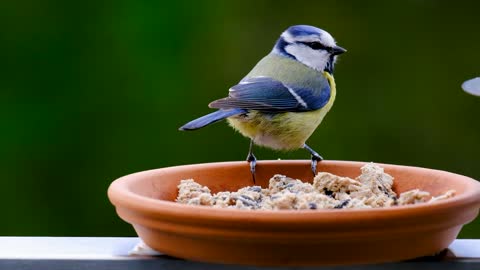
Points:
(316, 46)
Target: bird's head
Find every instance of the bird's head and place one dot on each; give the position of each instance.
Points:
(309, 45)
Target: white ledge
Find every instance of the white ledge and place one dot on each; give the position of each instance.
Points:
(119, 248)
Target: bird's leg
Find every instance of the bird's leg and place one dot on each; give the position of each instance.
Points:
(252, 160)
(315, 158)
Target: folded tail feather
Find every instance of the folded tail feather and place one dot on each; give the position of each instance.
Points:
(211, 118)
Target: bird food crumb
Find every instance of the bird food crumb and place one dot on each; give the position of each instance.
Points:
(372, 189)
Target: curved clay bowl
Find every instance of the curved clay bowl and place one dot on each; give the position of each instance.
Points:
(321, 237)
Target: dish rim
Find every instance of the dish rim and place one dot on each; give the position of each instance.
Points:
(121, 195)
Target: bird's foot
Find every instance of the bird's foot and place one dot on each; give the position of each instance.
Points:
(315, 158)
(252, 160)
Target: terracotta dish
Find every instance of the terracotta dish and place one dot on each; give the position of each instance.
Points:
(292, 237)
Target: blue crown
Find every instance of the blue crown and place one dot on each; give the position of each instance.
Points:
(304, 30)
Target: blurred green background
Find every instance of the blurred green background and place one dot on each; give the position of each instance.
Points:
(95, 90)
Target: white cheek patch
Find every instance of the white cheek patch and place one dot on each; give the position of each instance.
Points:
(316, 59)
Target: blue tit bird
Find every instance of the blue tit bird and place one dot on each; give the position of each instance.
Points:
(284, 98)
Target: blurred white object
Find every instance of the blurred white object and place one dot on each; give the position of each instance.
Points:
(472, 86)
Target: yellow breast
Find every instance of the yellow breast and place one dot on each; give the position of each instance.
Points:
(284, 131)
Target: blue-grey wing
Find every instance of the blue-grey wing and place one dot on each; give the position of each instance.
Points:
(270, 95)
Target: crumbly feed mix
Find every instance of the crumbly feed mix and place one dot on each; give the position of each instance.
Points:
(372, 189)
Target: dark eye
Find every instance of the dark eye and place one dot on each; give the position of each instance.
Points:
(316, 45)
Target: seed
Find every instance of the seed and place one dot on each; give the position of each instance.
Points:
(255, 189)
(247, 202)
(328, 192)
(342, 204)
(246, 197)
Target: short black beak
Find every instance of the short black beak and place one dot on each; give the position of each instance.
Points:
(338, 50)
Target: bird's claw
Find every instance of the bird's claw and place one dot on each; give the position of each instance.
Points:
(315, 159)
(252, 160)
